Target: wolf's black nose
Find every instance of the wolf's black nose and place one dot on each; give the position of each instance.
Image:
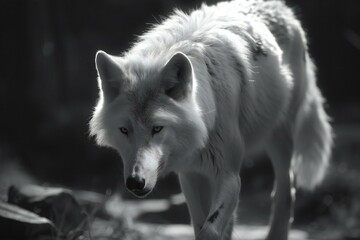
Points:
(135, 183)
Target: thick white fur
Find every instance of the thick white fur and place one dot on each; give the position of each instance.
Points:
(252, 88)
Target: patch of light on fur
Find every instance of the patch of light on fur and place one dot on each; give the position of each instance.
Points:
(194, 81)
(291, 175)
(208, 112)
(150, 158)
(163, 115)
(293, 192)
(203, 132)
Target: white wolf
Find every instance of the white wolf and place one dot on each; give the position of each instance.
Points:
(202, 91)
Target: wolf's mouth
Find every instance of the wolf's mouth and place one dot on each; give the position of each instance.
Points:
(141, 193)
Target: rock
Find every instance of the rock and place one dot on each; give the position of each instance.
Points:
(56, 204)
(18, 223)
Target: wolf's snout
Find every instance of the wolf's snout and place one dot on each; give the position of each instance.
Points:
(135, 183)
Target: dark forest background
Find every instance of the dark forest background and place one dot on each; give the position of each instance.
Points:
(48, 82)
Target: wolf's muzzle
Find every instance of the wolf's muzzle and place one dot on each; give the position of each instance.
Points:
(135, 183)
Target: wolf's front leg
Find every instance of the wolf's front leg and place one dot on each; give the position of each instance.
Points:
(211, 203)
(197, 191)
(224, 201)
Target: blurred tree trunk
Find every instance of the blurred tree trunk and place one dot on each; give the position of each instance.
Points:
(15, 74)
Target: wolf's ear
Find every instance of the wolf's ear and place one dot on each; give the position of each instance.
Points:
(110, 75)
(177, 77)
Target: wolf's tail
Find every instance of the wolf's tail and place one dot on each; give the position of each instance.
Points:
(313, 137)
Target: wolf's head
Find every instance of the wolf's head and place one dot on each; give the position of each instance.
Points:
(148, 113)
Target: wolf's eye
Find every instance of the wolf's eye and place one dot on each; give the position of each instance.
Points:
(123, 130)
(156, 129)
